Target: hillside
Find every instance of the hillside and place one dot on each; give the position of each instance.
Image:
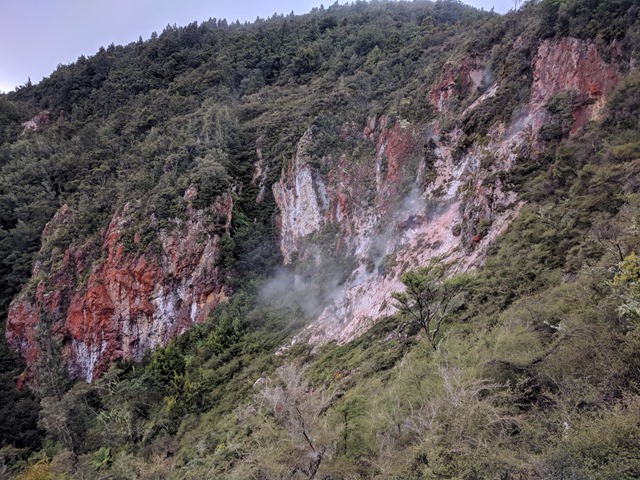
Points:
(382, 240)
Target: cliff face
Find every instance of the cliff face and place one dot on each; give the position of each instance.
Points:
(469, 74)
(119, 305)
(573, 65)
(425, 198)
(412, 202)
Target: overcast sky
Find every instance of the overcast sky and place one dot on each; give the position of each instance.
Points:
(38, 35)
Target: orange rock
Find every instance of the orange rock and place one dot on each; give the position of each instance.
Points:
(576, 65)
(131, 302)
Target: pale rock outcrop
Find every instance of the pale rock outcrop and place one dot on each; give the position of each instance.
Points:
(453, 207)
(38, 122)
(302, 198)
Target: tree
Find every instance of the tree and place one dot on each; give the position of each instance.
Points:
(18, 409)
(430, 296)
(68, 418)
(626, 284)
(298, 412)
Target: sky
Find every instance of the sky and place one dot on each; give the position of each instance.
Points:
(38, 35)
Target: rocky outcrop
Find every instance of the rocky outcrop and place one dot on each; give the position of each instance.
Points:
(569, 64)
(302, 198)
(428, 198)
(38, 122)
(465, 75)
(260, 172)
(391, 212)
(115, 303)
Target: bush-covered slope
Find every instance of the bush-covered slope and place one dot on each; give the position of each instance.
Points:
(534, 373)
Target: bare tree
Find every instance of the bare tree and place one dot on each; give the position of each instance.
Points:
(464, 417)
(298, 409)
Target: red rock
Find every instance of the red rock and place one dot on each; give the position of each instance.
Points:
(131, 302)
(576, 65)
(468, 73)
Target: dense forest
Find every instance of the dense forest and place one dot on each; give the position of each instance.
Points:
(525, 366)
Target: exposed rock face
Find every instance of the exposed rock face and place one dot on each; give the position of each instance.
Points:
(427, 204)
(124, 303)
(302, 198)
(38, 122)
(576, 65)
(429, 200)
(260, 171)
(469, 74)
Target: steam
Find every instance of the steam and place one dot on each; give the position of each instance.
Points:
(520, 120)
(487, 77)
(402, 218)
(313, 290)
(320, 280)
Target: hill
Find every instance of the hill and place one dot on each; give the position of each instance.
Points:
(382, 240)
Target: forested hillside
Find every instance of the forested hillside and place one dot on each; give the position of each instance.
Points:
(380, 240)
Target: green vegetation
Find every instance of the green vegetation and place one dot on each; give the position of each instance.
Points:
(532, 372)
(431, 294)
